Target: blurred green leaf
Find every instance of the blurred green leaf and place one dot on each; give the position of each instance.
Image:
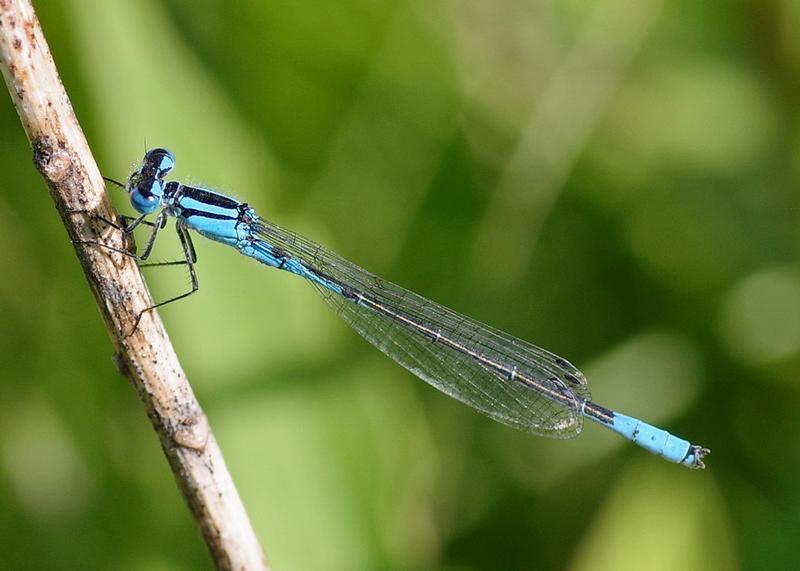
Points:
(615, 181)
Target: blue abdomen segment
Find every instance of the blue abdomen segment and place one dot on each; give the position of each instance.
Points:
(271, 256)
(658, 441)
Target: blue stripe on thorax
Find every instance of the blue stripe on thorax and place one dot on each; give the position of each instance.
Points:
(219, 217)
(214, 215)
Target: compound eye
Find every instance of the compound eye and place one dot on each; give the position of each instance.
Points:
(147, 199)
(161, 160)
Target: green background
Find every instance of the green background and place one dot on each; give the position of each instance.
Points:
(614, 180)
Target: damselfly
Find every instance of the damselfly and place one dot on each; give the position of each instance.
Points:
(510, 380)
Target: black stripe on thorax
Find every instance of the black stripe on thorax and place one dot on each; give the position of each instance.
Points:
(209, 197)
(189, 212)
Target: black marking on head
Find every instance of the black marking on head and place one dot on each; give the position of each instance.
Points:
(572, 379)
(144, 187)
(152, 166)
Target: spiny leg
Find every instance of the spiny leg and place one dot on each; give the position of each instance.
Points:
(161, 221)
(127, 230)
(130, 223)
(190, 258)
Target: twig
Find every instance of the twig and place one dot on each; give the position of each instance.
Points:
(146, 357)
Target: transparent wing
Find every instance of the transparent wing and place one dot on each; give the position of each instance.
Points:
(508, 379)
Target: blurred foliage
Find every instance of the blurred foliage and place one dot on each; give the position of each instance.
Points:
(614, 180)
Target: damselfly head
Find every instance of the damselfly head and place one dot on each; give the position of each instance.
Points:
(146, 184)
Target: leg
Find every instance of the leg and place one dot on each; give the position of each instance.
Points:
(129, 224)
(161, 221)
(130, 249)
(190, 257)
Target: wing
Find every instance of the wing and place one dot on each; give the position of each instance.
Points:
(508, 379)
